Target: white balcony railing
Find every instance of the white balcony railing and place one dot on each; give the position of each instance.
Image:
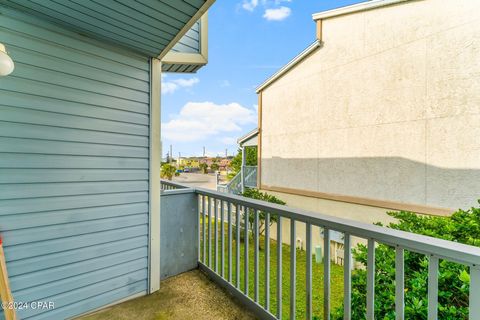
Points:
(228, 215)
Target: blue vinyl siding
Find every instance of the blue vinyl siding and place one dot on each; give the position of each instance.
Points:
(74, 148)
(190, 42)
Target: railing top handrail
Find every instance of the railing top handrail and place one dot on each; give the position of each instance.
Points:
(443, 249)
(175, 184)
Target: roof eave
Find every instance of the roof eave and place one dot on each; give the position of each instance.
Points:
(202, 11)
(299, 58)
(363, 6)
(248, 136)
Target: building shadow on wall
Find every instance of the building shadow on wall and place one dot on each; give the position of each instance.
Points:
(382, 178)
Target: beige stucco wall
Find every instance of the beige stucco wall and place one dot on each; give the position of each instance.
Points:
(388, 108)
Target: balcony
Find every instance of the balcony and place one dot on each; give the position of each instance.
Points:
(206, 230)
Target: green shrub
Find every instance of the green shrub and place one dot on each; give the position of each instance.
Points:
(256, 194)
(250, 160)
(462, 226)
(203, 168)
(167, 171)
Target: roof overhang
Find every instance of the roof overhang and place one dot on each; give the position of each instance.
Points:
(150, 28)
(299, 58)
(250, 139)
(191, 52)
(363, 6)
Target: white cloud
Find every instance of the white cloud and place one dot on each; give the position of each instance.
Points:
(228, 140)
(201, 120)
(249, 5)
(277, 14)
(225, 83)
(173, 85)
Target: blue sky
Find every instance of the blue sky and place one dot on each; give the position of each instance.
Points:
(248, 41)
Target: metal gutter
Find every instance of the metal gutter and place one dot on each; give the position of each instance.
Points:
(305, 53)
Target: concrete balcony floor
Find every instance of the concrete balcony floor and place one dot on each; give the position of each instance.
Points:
(187, 296)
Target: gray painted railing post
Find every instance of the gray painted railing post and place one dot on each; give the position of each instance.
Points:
(399, 284)
(347, 276)
(246, 252)
(293, 269)
(222, 238)
(326, 274)
(237, 246)
(242, 170)
(256, 261)
(308, 253)
(433, 288)
(215, 228)
(279, 267)
(474, 303)
(371, 280)
(229, 242)
(209, 201)
(267, 261)
(204, 236)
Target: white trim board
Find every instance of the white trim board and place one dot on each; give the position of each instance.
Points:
(363, 6)
(154, 176)
(201, 58)
(202, 11)
(299, 58)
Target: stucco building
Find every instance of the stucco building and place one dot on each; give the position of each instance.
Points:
(381, 112)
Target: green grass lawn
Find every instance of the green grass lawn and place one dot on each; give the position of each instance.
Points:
(336, 274)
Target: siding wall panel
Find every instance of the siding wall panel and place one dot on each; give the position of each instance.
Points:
(68, 202)
(69, 175)
(32, 131)
(24, 100)
(68, 121)
(74, 127)
(15, 160)
(64, 245)
(28, 265)
(38, 219)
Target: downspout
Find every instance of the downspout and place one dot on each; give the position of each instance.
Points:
(242, 170)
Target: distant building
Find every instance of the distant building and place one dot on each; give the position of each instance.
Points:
(189, 162)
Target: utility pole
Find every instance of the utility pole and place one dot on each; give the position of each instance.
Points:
(226, 153)
(204, 151)
(171, 154)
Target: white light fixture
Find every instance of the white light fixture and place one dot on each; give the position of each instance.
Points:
(6, 63)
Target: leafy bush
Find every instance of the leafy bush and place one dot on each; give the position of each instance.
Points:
(236, 163)
(203, 167)
(214, 166)
(462, 226)
(258, 195)
(168, 171)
